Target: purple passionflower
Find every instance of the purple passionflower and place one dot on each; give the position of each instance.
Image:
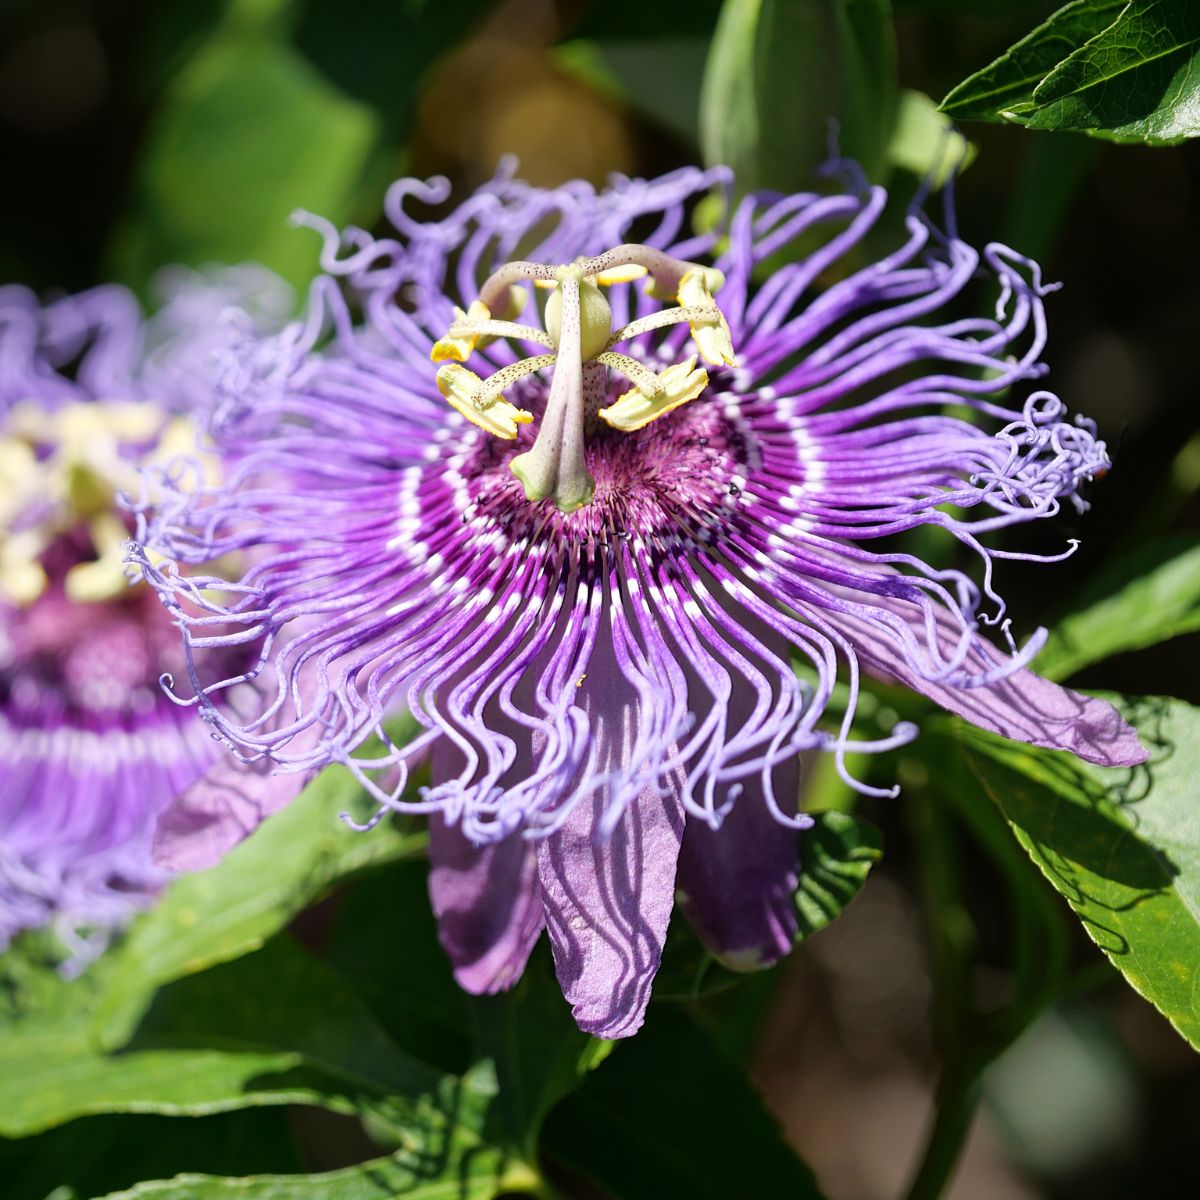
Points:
(90, 747)
(590, 567)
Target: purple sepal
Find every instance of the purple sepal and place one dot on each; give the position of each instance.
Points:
(1021, 705)
(487, 903)
(222, 808)
(736, 884)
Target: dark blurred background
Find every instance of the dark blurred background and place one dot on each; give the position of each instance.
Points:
(134, 133)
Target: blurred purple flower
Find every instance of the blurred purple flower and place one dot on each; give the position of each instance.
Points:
(598, 627)
(90, 748)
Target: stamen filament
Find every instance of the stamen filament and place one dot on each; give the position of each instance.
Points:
(502, 380)
(495, 329)
(660, 320)
(498, 291)
(640, 375)
(677, 385)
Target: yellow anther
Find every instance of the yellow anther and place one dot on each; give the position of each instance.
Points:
(614, 275)
(461, 340)
(22, 579)
(711, 335)
(679, 383)
(91, 582)
(465, 391)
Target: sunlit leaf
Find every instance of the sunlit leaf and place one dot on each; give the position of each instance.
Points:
(1128, 72)
(1122, 846)
(219, 914)
(272, 1028)
(1157, 598)
(836, 856)
(1010, 80)
(925, 142)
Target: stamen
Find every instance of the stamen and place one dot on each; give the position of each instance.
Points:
(465, 391)
(104, 578)
(22, 578)
(508, 329)
(676, 386)
(62, 470)
(503, 379)
(629, 273)
(711, 333)
(666, 273)
(463, 336)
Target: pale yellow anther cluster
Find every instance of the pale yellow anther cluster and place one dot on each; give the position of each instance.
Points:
(63, 468)
(687, 287)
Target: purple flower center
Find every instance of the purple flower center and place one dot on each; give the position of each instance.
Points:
(678, 478)
(85, 663)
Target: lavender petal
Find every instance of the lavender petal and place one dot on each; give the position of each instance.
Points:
(488, 906)
(737, 883)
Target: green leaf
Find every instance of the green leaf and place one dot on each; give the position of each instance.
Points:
(668, 1115)
(1010, 80)
(96, 1155)
(836, 855)
(539, 1053)
(468, 1177)
(275, 1027)
(1157, 600)
(1122, 847)
(244, 134)
(780, 72)
(219, 914)
(1128, 72)
(410, 990)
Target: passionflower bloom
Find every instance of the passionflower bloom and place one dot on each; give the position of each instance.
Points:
(90, 748)
(615, 552)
